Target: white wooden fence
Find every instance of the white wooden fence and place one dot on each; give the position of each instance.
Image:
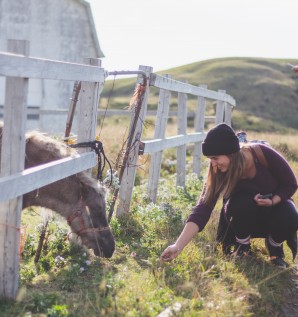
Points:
(155, 147)
(18, 67)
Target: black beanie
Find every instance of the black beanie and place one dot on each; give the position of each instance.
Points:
(221, 140)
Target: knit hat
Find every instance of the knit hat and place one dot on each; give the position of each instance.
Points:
(221, 140)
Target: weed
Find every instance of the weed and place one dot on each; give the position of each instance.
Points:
(202, 281)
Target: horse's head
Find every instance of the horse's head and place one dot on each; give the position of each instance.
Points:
(89, 221)
(78, 198)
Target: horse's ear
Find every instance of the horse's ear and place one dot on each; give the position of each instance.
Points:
(102, 188)
(86, 191)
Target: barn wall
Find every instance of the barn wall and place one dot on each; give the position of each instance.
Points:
(56, 29)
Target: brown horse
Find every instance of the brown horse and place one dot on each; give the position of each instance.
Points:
(78, 198)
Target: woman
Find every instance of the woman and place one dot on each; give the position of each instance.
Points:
(256, 198)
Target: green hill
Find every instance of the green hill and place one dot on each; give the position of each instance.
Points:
(265, 90)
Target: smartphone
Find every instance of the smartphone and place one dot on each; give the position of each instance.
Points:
(265, 196)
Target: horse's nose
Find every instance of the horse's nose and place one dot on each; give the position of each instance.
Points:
(109, 247)
(109, 253)
(105, 245)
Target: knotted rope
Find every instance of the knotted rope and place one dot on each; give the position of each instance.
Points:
(101, 157)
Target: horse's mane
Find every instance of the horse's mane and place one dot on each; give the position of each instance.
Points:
(49, 149)
(55, 149)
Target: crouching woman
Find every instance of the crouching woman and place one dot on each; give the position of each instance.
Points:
(256, 198)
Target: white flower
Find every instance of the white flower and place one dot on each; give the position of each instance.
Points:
(82, 269)
(59, 259)
(88, 262)
(112, 179)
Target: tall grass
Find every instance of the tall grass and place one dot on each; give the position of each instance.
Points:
(202, 281)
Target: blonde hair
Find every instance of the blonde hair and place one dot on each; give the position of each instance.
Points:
(218, 183)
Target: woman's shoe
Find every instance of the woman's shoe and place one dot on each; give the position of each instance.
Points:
(274, 251)
(241, 250)
(276, 255)
(280, 262)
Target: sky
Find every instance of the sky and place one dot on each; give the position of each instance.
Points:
(170, 33)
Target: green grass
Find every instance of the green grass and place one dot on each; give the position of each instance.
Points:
(70, 281)
(202, 281)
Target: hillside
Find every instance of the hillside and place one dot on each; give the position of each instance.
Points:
(263, 89)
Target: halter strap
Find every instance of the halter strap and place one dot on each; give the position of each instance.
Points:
(78, 214)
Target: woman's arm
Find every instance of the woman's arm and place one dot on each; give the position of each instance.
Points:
(172, 251)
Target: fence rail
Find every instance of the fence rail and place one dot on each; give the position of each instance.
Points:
(18, 68)
(156, 146)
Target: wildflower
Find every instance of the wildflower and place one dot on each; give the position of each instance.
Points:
(82, 269)
(133, 254)
(59, 259)
(88, 262)
(113, 179)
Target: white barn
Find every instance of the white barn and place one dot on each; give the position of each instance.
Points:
(56, 29)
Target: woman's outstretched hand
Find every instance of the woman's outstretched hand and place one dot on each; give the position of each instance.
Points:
(170, 253)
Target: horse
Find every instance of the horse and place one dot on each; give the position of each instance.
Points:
(79, 198)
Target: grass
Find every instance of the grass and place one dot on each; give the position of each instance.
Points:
(202, 281)
(69, 281)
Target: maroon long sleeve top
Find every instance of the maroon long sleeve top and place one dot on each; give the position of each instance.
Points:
(278, 179)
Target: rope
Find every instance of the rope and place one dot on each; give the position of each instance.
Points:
(101, 157)
(135, 102)
(10, 226)
(107, 105)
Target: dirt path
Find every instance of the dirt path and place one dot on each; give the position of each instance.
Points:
(290, 308)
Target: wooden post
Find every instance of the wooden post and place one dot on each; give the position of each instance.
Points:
(220, 109)
(228, 113)
(12, 161)
(159, 133)
(182, 129)
(128, 177)
(89, 102)
(199, 127)
(88, 106)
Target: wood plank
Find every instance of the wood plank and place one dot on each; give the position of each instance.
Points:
(110, 112)
(228, 114)
(39, 176)
(12, 65)
(89, 101)
(129, 173)
(181, 150)
(199, 127)
(159, 133)
(220, 109)
(174, 85)
(12, 161)
(152, 146)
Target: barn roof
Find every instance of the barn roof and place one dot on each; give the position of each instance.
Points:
(92, 25)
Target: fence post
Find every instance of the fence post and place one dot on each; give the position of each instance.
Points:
(159, 133)
(199, 127)
(89, 101)
(220, 109)
(182, 127)
(228, 113)
(12, 161)
(128, 177)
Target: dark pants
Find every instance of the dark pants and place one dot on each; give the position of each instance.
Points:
(241, 217)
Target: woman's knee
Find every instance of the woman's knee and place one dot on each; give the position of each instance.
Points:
(284, 218)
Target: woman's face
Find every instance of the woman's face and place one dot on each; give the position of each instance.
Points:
(220, 162)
